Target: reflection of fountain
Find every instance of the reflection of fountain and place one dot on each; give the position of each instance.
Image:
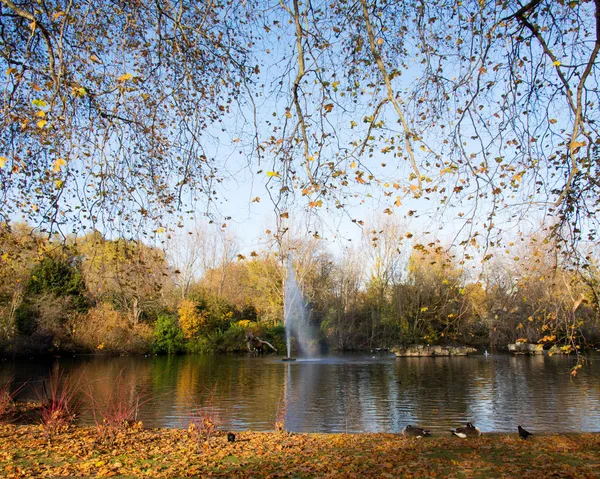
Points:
(295, 319)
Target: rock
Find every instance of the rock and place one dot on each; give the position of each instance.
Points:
(526, 348)
(419, 350)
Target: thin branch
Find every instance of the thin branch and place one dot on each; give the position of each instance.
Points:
(408, 133)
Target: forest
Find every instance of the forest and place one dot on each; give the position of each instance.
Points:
(125, 125)
(200, 294)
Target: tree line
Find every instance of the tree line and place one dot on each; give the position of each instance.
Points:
(199, 293)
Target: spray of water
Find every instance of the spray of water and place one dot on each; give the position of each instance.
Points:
(295, 317)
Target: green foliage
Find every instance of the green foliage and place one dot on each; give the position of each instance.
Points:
(58, 276)
(168, 338)
(216, 310)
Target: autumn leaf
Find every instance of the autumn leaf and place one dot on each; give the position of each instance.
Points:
(125, 77)
(160, 230)
(3, 161)
(353, 164)
(272, 174)
(58, 163)
(556, 63)
(328, 107)
(41, 123)
(284, 215)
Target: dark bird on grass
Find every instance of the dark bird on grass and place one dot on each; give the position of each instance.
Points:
(412, 431)
(467, 431)
(230, 437)
(523, 433)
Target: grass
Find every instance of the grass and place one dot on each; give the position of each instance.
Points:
(171, 453)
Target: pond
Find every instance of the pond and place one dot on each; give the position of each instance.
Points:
(346, 393)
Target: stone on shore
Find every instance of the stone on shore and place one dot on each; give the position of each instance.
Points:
(420, 350)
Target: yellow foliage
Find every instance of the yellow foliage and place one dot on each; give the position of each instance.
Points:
(190, 319)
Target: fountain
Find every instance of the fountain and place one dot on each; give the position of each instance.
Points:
(294, 317)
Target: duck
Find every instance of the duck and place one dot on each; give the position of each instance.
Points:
(412, 431)
(467, 431)
(523, 433)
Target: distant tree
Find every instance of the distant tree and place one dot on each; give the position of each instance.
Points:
(20, 250)
(127, 273)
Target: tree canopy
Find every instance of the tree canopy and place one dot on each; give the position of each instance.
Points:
(484, 109)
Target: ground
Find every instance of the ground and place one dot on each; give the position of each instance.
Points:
(27, 451)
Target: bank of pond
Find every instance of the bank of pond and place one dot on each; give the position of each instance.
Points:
(27, 451)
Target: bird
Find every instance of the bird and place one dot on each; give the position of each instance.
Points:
(411, 431)
(523, 433)
(230, 437)
(467, 431)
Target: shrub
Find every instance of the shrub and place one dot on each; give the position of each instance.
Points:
(191, 319)
(206, 344)
(118, 412)
(7, 396)
(60, 402)
(168, 337)
(103, 328)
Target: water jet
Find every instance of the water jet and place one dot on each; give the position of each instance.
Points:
(295, 318)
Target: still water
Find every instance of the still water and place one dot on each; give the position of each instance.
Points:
(350, 393)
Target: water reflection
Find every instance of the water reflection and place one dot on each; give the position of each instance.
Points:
(339, 394)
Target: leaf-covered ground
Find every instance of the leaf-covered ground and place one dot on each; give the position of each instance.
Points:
(26, 452)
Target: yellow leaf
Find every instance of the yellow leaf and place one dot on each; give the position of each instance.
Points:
(272, 174)
(160, 230)
(414, 187)
(398, 202)
(59, 183)
(556, 63)
(125, 77)
(41, 114)
(3, 160)
(352, 124)
(288, 114)
(353, 164)
(41, 123)
(380, 41)
(310, 158)
(58, 15)
(57, 164)
(10, 70)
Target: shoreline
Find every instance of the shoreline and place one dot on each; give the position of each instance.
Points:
(26, 451)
